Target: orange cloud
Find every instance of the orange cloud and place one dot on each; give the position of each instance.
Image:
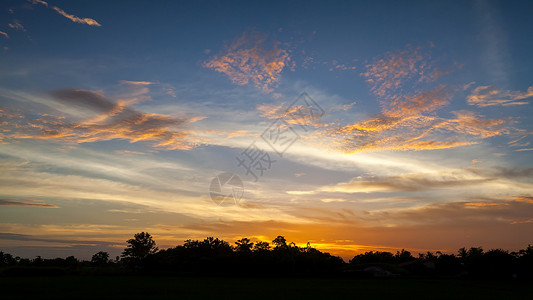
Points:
(425, 102)
(39, 2)
(484, 96)
(470, 124)
(111, 121)
(441, 226)
(4, 34)
(522, 222)
(483, 204)
(410, 121)
(388, 74)
(304, 111)
(248, 59)
(73, 18)
(293, 115)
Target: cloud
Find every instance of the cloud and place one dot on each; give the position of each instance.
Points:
(295, 114)
(10, 202)
(136, 82)
(406, 182)
(387, 75)
(129, 152)
(442, 226)
(16, 25)
(469, 123)
(451, 180)
(107, 121)
(73, 18)
(408, 120)
(248, 59)
(506, 173)
(304, 111)
(4, 34)
(506, 210)
(39, 2)
(425, 102)
(410, 123)
(84, 99)
(483, 96)
(26, 237)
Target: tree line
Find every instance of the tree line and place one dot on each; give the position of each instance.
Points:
(213, 256)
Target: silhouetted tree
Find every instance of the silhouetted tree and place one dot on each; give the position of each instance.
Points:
(140, 247)
(373, 257)
(244, 245)
(462, 253)
(101, 258)
(280, 243)
(261, 246)
(37, 261)
(72, 261)
(7, 259)
(403, 256)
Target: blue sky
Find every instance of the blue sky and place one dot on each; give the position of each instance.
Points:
(116, 117)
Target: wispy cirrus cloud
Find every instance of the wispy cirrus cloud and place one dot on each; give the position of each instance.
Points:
(250, 59)
(407, 182)
(388, 74)
(39, 2)
(408, 119)
(93, 117)
(136, 82)
(499, 178)
(470, 124)
(73, 18)
(12, 202)
(16, 25)
(483, 96)
(4, 34)
(295, 115)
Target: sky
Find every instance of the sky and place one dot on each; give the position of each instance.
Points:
(352, 125)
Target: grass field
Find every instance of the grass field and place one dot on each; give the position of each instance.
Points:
(81, 287)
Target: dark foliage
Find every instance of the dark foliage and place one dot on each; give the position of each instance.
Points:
(213, 256)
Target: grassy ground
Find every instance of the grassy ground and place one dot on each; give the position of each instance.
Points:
(81, 287)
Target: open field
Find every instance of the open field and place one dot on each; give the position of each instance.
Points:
(136, 287)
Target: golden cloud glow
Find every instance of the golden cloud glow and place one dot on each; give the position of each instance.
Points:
(470, 124)
(295, 115)
(483, 204)
(409, 122)
(73, 18)
(109, 121)
(248, 59)
(483, 96)
(386, 75)
(39, 2)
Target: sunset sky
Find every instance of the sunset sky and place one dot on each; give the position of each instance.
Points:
(402, 124)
